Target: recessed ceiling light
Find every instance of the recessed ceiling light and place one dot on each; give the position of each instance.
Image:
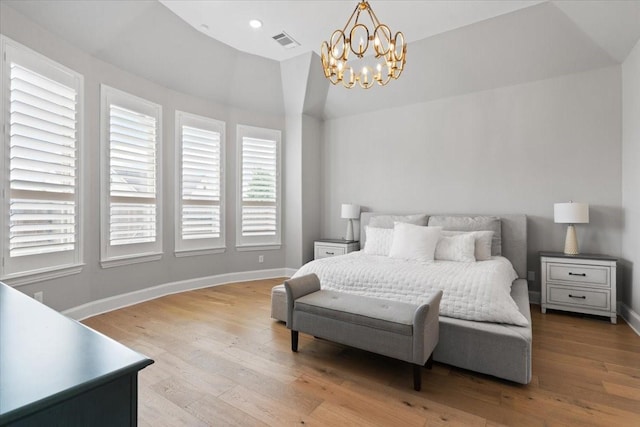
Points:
(255, 23)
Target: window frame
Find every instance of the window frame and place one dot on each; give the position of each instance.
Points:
(184, 247)
(258, 243)
(117, 255)
(38, 267)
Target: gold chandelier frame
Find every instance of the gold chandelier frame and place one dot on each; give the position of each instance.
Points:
(335, 53)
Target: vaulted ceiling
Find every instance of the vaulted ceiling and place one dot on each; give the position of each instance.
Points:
(311, 22)
(454, 48)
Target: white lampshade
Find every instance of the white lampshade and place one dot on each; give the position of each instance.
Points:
(350, 211)
(571, 213)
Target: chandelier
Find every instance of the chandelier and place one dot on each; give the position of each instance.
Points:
(386, 63)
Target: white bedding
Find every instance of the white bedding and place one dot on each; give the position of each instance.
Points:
(471, 290)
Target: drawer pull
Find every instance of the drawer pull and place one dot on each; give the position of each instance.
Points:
(576, 296)
(578, 274)
(330, 253)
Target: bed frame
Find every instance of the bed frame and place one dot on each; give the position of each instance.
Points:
(501, 350)
(495, 349)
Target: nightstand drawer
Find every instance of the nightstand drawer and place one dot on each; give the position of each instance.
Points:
(578, 297)
(579, 283)
(586, 275)
(327, 251)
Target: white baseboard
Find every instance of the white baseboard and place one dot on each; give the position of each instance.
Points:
(630, 316)
(119, 301)
(534, 297)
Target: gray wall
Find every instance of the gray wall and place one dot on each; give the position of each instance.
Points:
(305, 89)
(95, 283)
(631, 177)
(515, 149)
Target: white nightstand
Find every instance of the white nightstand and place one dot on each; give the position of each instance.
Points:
(579, 283)
(325, 248)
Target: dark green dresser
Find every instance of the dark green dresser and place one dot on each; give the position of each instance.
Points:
(55, 371)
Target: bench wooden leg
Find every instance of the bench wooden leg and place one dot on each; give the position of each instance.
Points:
(429, 363)
(294, 341)
(417, 377)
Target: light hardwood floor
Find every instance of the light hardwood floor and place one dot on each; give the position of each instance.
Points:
(220, 360)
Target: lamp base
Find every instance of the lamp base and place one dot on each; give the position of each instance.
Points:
(349, 235)
(571, 241)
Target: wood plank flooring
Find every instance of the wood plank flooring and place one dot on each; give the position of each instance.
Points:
(220, 360)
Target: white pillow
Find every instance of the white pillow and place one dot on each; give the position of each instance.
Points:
(472, 223)
(483, 242)
(378, 241)
(414, 242)
(459, 248)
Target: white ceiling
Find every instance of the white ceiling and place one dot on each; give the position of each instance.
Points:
(311, 22)
(145, 38)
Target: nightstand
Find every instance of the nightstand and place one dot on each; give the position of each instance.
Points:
(324, 248)
(579, 283)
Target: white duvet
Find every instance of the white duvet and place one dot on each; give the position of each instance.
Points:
(472, 291)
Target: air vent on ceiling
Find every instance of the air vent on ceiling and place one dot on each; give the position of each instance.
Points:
(285, 40)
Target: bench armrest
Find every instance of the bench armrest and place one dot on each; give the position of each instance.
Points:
(299, 287)
(426, 328)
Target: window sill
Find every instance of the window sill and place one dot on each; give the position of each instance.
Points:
(135, 259)
(195, 252)
(33, 276)
(248, 248)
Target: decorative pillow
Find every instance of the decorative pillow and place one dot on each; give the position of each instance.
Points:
(472, 223)
(459, 248)
(414, 242)
(483, 239)
(388, 221)
(378, 241)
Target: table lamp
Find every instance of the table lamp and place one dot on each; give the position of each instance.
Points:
(571, 213)
(350, 212)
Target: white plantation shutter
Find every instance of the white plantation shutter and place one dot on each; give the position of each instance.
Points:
(132, 176)
(42, 114)
(260, 177)
(200, 146)
(131, 200)
(42, 161)
(259, 192)
(39, 227)
(200, 183)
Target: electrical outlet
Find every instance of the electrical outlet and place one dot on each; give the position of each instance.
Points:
(531, 276)
(39, 296)
(260, 259)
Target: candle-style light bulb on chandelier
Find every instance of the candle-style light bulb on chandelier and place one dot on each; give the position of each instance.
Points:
(389, 52)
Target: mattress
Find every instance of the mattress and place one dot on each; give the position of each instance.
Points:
(477, 291)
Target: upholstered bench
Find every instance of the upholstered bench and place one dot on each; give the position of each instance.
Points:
(403, 331)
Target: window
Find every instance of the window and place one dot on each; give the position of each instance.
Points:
(131, 193)
(200, 186)
(42, 136)
(258, 224)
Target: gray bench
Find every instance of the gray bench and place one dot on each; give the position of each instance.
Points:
(403, 331)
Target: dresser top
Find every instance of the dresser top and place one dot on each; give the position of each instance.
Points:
(579, 256)
(46, 358)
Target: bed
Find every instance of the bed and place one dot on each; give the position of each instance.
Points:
(501, 349)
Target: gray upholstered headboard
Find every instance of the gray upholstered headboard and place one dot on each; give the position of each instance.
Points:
(514, 237)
